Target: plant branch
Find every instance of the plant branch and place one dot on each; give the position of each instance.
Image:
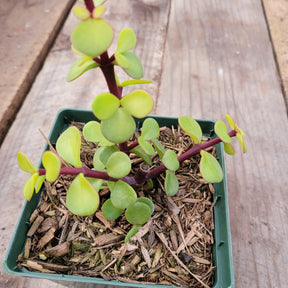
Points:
(89, 5)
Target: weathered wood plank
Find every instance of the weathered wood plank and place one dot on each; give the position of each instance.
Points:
(219, 59)
(50, 92)
(276, 13)
(28, 29)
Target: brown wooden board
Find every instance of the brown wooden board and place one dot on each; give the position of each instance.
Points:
(277, 20)
(28, 29)
(205, 58)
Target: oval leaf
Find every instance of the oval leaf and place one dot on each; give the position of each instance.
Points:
(92, 132)
(146, 146)
(111, 212)
(92, 37)
(242, 142)
(98, 11)
(82, 199)
(171, 183)
(230, 121)
(119, 128)
(68, 146)
(138, 214)
(81, 12)
(126, 40)
(170, 160)
(191, 127)
(123, 195)
(52, 164)
(141, 153)
(228, 148)
(210, 168)
(97, 163)
(105, 105)
(132, 232)
(138, 103)
(134, 69)
(80, 66)
(29, 186)
(25, 164)
(221, 131)
(148, 202)
(39, 182)
(159, 147)
(118, 165)
(150, 129)
(106, 152)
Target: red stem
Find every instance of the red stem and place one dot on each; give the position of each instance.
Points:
(89, 5)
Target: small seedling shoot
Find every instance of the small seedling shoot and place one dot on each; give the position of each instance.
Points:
(114, 127)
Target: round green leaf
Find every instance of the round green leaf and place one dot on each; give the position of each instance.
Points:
(134, 69)
(119, 128)
(138, 214)
(68, 146)
(138, 103)
(170, 160)
(191, 127)
(171, 183)
(92, 37)
(80, 66)
(122, 60)
(118, 165)
(97, 183)
(123, 195)
(105, 105)
(25, 164)
(92, 132)
(148, 202)
(146, 146)
(98, 11)
(221, 131)
(126, 40)
(81, 12)
(132, 232)
(52, 164)
(82, 199)
(106, 152)
(159, 147)
(210, 168)
(150, 129)
(97, 163)
(39, 182)
(110, 212)
(29, 186)
(228, 148)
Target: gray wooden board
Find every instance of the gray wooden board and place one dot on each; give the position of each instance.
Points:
(205, 58)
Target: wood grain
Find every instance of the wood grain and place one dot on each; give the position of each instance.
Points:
(28, 29)
(205, 58)
(276, 13)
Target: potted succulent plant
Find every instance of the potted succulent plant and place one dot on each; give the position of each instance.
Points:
(126, 197)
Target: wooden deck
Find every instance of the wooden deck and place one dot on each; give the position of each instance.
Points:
(205, 58)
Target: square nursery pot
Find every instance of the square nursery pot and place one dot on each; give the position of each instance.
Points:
(222, 251)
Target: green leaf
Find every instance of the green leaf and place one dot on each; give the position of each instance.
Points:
(138, 214)
(221, 131)
(38, 184)
(150, 129)
(97, 183)
(210, 168)
(98, 11)
(148, 202)
(230, 121)
(141, 153)
(25, 164)
(228, 148)
(159, 147)
(52, 164)
(92, 132)
(81, 12)
(123, 195)
(80, 66)
(191, 127)
(105, 105)
(98, 2)
(242, 142)
(119, 128)
(122, 60)
(111, 212)
(134, 69)
(82, 199)
(68, 146)
(126, 40)
(97, 163)
(134, 82)
(146, 146)
(171, 183)
(170, 160)
(92, 37)
(138, 103)
(29, 186)
(132, 232)
(118, 165)
(106, 152)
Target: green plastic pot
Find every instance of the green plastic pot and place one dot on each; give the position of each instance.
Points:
(222, 251)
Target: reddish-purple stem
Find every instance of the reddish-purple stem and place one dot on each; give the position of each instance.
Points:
(89, 5)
